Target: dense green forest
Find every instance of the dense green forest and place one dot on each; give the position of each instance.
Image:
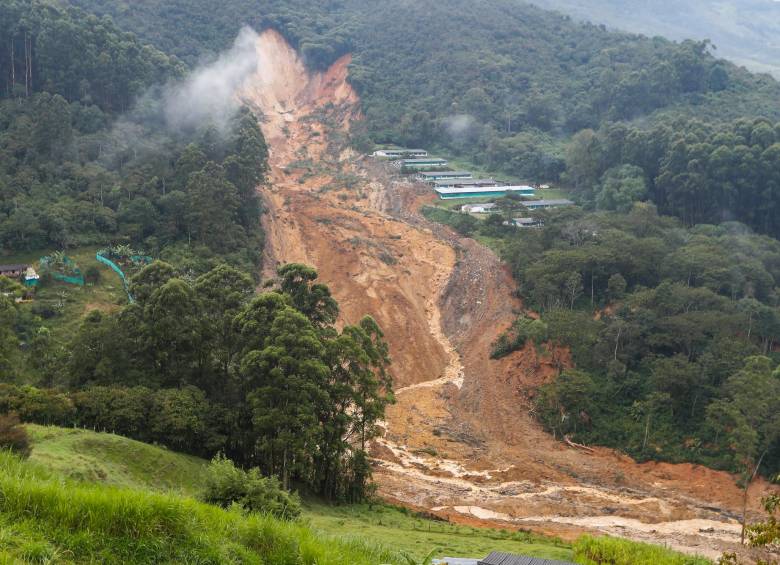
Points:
(699, 171)
(674, 331)
(82, 163)
(207, 366)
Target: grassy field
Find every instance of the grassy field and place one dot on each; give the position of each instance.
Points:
(87, 497)
(91, 457)
(45, 518)
(115, 460)
(415, 535)
(595, 551)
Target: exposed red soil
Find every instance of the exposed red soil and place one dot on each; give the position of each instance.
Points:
(461, 441)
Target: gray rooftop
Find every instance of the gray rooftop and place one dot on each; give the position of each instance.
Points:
(497, 558)
(466, 181)
(424, 160)
(437, 173)
(553, 202)
(525, 221)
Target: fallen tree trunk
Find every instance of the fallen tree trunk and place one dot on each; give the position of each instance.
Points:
(570, 443)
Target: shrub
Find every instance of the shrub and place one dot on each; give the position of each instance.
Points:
(226, 485)
(514, 338)
(13, 436)
(92, 275)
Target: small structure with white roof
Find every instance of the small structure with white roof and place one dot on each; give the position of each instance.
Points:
(484, 208)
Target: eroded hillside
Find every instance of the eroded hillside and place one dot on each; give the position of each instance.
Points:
(460, 442)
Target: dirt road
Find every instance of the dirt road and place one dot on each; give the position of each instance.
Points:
(460, 442)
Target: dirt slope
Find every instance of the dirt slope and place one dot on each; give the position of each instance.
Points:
(460, 441)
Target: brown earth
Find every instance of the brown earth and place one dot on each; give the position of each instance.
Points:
(461, 441)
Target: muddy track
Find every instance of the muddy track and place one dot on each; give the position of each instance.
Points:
(461, 441)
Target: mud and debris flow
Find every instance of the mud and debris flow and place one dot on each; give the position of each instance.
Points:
(460, 442)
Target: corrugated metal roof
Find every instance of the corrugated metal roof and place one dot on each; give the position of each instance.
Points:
(486, 189)
(438, 173)
(497, 558)
(554, 202)
(464, 182)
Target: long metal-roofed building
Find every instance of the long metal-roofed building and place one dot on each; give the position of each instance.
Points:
(424, 163)
(497, 558)
(13, 271)
(541, 204)
(432, 176)
(400, 153)
(484, 191)
(457, 183)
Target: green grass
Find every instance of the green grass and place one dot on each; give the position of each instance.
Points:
(87, 497)
(47, 519)
(107, 458)
(415, 535)
(594, 551)
(552, 193)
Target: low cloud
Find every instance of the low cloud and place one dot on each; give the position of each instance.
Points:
(208, 94)
(460, 127)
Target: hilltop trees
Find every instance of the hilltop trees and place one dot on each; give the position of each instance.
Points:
(267, 379)
(698, 171)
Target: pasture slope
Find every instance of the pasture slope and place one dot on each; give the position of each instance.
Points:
(460, 441)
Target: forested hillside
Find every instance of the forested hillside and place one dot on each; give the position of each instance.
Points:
(745, 31)
(504, 84)
(699, 171)
(82, 162)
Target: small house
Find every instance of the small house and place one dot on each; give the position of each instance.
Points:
(485, 208)
(13, 271)
(31, 277)
(527, 222)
